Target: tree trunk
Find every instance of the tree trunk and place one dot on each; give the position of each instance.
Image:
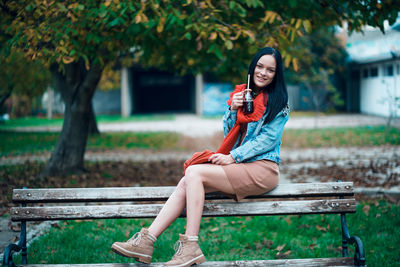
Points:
(93, 129)
(4, 99)
(77, 86)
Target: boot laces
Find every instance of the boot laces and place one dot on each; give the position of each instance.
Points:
(136, 238)
(178, 248)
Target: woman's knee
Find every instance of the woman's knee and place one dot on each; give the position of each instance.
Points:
(193, 174)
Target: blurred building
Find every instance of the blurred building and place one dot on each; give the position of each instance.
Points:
(374, 77)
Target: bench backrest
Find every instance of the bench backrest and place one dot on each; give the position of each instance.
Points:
(146, 202)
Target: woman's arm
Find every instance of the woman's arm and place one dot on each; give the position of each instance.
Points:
(231, 113)
(229, 120)
(269, 136)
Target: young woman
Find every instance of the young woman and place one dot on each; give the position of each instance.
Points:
(245, 164)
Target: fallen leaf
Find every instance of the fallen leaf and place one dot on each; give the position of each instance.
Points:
(288, 220)
(16, 227)
(366, 209)
(287, 252)
(127, 233)
(279, 248)
(214, 229)
(320, 228)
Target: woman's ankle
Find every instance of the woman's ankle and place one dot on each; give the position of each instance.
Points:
(152, 232)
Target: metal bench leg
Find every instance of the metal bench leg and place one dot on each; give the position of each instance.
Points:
(22, 243)
(345, 236)
(13, 248)
(359, 256)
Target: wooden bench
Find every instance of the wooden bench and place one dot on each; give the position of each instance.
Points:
(144, 202)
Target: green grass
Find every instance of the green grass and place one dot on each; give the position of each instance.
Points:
(233, 238)
(42, 121)
(339, 137)
(15, 143)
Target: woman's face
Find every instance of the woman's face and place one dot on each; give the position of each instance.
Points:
(264, 72)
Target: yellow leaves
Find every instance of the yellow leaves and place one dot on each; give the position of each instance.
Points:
(295, 63)
(68, 60)
(107, 3)
(307, 25)
(72, 6)
(213, 36)
(298, 23)
(199, 45)
(210, 4)
(228, 44)
(161, 23)
(110, 79)
(61, 49)
(270, 16)
(72, 16)
(250, 34)
(141, 18)
(271, 42)
(138, 18)
(190, 62)
(289, 59)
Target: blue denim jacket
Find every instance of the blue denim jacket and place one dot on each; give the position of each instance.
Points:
(261, 141)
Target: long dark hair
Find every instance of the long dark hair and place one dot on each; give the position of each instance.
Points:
(276, 90)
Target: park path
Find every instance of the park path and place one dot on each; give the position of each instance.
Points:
(195, 126)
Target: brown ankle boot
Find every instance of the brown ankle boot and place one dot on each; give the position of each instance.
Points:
(139, 246)
(187, 253)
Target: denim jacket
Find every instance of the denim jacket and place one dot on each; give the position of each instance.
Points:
(261, 141)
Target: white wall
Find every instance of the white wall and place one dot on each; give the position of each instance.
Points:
(378, 93)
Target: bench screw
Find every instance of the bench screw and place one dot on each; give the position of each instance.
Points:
(348, 204)
(27, 212)
(347, 187)
(29, 194)
(16, 212)
(17, 195)
(336, 187)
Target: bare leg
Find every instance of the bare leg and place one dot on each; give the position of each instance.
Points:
(171, 209)
(199, 179)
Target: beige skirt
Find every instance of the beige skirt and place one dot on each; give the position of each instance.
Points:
(252, 178)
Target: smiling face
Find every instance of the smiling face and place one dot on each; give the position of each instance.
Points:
(264, 71)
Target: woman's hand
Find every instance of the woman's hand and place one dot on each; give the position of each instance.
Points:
(237, 101)
(221, 159)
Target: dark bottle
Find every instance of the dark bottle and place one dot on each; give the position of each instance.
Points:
(248, 102)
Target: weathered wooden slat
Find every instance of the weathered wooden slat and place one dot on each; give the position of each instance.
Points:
(211, 209)
(261, 263)
(163, 192)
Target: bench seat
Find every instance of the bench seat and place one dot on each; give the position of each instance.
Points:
(146, 202)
